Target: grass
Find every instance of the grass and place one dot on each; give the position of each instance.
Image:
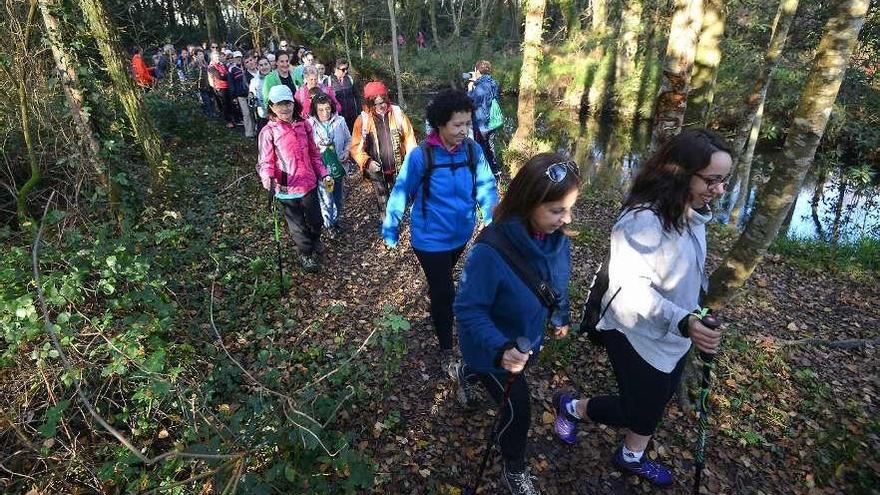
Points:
(858, 260)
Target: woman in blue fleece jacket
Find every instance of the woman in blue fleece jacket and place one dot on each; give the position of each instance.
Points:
(444, 199)
(494, 306)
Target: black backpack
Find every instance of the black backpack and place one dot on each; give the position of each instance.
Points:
(496, 238)
(428, 153)
(593, 310)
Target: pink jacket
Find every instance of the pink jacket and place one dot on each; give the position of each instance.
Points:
(302, 96)
(289, 155)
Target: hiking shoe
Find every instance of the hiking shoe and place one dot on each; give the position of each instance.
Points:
(566, 426)
(310, 263)
(464, 390)
(653, 471)
(520, 483)
(449, 365)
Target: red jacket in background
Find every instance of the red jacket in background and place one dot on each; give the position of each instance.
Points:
(142, 73)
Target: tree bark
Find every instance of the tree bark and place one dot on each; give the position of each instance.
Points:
(395, 54)
(24, 217)
(755, 98)
(210, 8)
(142, 125)
(432, 13)
(706, 61)
(631, 29)
(799, 150)
(677, 66)
(521, 143)
(743, 174)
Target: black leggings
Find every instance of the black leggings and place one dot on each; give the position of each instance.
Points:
(512, 429)
(643, 391)
(304, 220)
(438, 268)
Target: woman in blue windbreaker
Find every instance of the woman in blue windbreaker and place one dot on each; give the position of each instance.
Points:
(445, 179)
(494, 306)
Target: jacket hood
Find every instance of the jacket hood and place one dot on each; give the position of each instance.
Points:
(515, 228)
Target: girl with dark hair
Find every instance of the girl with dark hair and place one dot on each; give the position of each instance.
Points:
(290, 162)
(656, 274)
(494, 305)
(446, 179)
(332, 137)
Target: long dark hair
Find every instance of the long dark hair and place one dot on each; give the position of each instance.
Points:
(531, 186)
(663, 182)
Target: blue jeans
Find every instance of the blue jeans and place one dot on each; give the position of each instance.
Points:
(331, 203)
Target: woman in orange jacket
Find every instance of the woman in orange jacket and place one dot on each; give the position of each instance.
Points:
(381, 138)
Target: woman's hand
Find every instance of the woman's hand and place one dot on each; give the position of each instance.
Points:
(328, 183)
(374, 166)
(560, 332)
(514, 361)
(706, 339)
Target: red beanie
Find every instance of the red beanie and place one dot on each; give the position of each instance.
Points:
(374, 89)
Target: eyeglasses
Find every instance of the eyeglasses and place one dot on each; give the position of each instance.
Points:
(557, 171)
(714, 181)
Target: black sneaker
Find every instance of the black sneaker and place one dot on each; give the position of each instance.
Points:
(519, 483)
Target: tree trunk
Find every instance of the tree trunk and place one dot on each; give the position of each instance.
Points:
(755, 98)
(107, 37)
(171, 15)
(706, 63)
(210, 8)
(807, 129)
(395, 54)
(744, 170)
(432, 13)
(631, 29)
(24, 217)
(649, 72)
(585, 73)
(69, 79)
(677, 66)
(521, 143)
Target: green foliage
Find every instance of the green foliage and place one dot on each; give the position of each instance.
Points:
(859, 260)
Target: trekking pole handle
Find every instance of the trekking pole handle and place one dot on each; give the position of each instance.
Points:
(709, 321)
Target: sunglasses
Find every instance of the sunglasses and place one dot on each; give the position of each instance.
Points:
(343, 69)
(714, 181)
(558, 171)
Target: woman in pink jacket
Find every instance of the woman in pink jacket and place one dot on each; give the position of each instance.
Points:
(291, 164)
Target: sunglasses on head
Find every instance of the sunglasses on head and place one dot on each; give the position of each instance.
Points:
(556, 172)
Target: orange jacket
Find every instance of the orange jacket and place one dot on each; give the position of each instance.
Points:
(142, 73)
(365, 128)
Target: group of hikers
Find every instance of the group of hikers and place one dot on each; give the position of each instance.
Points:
(515, 281)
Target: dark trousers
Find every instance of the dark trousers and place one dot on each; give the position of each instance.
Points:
(207, 102)
(382, 188)
(303, 216)
(224, 101)
(643, 391)
(512, 430)
(438, 267)
(488, 145)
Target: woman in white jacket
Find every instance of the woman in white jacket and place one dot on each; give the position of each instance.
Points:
(658, 256)
(333, 139)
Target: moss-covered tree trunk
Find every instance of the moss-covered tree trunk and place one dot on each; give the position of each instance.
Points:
(799, 150)
(395, 53)
(755, 98)
(706, 62)
(142, 125)
(627, 48)
(521, 143)
(677, 66)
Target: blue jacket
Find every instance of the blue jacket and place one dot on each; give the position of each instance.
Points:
(494, 306)
(447, 220)
(484, 91)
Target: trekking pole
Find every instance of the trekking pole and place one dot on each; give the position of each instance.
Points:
(703, 406)
(272, 206)
(524, 346)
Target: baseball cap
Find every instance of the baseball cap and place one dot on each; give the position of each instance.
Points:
(236, 54)
(280, 93)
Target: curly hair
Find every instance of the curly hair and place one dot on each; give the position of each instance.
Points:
(446, 103)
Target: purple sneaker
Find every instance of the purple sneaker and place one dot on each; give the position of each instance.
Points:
(566, 426)
(655, 472)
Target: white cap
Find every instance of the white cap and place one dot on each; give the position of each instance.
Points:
(279, 93)
(236, 54)
(227, 51)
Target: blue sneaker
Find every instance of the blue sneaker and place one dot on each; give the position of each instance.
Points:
(655, 472)
(566, 426)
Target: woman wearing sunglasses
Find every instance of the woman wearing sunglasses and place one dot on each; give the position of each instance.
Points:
(658, 255)
(494, 305)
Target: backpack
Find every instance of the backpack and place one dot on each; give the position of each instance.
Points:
(430, 166)
(593, 311)
(496, 118)
(496, 238)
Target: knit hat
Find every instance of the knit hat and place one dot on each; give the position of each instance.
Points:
(374, 89)
(280, 93)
